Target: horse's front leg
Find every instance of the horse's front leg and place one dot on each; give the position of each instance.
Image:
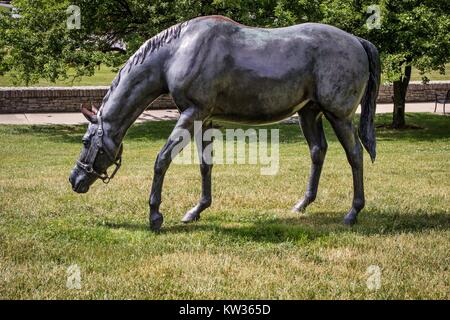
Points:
(178, 139)
(205, 157)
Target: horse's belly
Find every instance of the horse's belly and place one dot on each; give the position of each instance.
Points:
(253, 119)
(246, 97)
(256, 87)
(255, 111)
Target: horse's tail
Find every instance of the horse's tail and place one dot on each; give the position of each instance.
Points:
(368, 102)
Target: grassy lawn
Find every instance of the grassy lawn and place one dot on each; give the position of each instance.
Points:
(104, 77)
(434, 75)
(248, 244)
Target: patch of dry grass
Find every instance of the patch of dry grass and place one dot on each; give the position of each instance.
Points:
(248, 244)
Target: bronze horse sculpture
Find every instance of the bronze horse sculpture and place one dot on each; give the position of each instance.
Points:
(218, 69)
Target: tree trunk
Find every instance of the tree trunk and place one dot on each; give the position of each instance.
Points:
(400, 89)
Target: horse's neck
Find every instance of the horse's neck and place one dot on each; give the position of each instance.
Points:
(119, 118)
(125, 106)
(134, 89)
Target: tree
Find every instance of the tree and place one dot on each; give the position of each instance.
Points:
(40, 45)
(421, 30)
(412, 33)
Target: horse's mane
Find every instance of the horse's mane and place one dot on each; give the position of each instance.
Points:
(148, 47)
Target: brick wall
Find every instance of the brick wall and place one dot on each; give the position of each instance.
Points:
(48, 99)
(61, 99)
(417, 91)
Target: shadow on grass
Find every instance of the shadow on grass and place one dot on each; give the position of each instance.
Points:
(56, 133)
(150, 131)
(305, 228)
(130, 226)
(428, 127)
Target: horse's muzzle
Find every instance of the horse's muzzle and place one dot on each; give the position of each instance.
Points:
(78, 181)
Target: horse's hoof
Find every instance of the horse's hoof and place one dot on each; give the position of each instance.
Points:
(190, 217)
(156, 221)
(350, 219)
(300, 207)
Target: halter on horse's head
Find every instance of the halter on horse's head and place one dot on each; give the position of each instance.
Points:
(96, 156)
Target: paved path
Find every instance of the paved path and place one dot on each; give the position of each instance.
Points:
(158, 115)
(77, 117)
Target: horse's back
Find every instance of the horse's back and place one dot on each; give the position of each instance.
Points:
(257, 73)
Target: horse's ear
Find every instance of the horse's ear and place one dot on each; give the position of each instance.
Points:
(88, 114)
(94, 109)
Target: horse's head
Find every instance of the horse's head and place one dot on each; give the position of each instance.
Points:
(98, 153)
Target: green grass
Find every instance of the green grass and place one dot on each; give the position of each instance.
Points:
(433, 75)
(104, 77)
(248, 244)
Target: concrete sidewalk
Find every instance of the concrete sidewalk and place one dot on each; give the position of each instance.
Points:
(159, 115)
(77, 117)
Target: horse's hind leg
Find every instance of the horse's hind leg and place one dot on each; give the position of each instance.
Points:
(348, 136)
(205, 170)
(311, 124)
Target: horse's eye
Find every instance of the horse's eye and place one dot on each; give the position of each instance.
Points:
(86, 143)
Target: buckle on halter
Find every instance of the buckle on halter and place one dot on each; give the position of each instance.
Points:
(106, 180)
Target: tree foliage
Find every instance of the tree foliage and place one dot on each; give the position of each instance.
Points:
(39, 44)
(412, 33)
